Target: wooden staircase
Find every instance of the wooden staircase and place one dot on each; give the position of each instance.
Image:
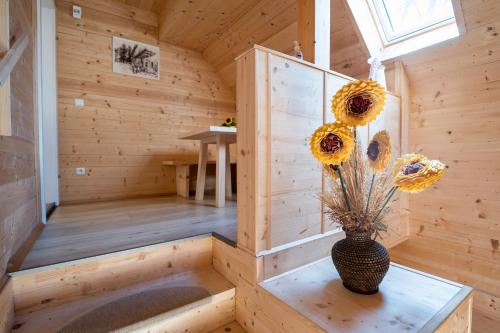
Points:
(169, 287)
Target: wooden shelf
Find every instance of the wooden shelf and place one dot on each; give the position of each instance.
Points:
(408, 300)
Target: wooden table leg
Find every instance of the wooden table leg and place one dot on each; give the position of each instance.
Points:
(202, 170)
(229, 189)
(220, 172)
(182, 180)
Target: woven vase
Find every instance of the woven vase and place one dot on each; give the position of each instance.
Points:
(361, 262)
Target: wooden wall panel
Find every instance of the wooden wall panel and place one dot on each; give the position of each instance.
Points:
(398, 218)
(296, 110)
(455, 117)
(252, 158)
(349, 54)
(128, 125)
(6, 307)
(258, 24)
(281, 101)
(18, 186)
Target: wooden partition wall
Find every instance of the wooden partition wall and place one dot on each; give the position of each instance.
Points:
(280, 102)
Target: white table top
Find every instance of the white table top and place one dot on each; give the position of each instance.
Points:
(211, 131)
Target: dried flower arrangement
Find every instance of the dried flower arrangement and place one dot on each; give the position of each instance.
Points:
(360, 190)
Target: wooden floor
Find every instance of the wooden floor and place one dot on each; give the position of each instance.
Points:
(80, 231)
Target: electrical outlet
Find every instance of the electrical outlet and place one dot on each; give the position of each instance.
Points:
(77, 12)
(80, 171)
(80, 103)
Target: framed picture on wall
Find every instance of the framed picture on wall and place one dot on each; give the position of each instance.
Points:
(136, 58)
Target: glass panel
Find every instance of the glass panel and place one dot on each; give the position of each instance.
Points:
(403, 17)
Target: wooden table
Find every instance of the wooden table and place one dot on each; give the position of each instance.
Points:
(222, 137)
(408, 301)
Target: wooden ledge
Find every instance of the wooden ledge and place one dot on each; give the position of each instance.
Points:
(408, 300)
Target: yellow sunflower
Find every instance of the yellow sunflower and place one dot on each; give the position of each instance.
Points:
(332, 143)
(379, 151)
(414, 173)
(358, 103)
(230, 122)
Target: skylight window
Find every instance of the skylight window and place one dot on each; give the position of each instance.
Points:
(401, 19)
(391, 28)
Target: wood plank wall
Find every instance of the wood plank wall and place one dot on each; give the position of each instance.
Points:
(349, 54)
(128, 125)
(222, 30)
(18, 180)
(18, 184)
(455, 116)
(281, 101)
(274, 25)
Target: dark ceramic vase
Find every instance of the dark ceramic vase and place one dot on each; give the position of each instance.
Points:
(361, 262)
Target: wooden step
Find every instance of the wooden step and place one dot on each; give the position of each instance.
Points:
(54, 285)
(232, 327)
(211, 309)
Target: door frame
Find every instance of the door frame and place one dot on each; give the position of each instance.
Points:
(44, 118)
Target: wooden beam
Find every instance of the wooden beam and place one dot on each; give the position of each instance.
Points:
(9, 61)
(314, 31)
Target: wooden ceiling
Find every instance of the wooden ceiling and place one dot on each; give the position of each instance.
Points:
(223, 29)
(198, 23)
(150, 5)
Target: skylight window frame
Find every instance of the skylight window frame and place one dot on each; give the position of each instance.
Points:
(388, 37)
(370, 31)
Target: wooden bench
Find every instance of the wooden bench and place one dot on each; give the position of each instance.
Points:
(182, 175)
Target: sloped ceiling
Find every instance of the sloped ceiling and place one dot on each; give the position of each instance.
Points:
(150, 5)
(223, 29)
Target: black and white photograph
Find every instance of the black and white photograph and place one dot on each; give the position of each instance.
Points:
(136, 58)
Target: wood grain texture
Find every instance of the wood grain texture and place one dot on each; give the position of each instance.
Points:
(281, 101)
(196, 24)
(313, 30)
(455, 118)
(287, 259)
(222, 30)
(6, 307)
(18, 187)
(86, 230)
(233, 327)
(259, 311)
(148, 5)
(460, 321)
(349, 54)
(235, 264)
(407, 300)
(296, 109)
(128, 125)
(207, 313)
(58, 284)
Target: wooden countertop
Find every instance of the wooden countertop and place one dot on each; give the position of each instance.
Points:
(408, 300)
